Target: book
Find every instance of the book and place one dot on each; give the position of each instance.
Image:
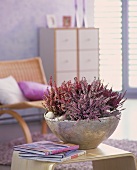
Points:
(46, 147)
(54, 158)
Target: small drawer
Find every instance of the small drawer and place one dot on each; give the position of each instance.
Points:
(89, 75)
(88, 39)
(61, 77)
(66, 61)
(66, 39)
(88, 60)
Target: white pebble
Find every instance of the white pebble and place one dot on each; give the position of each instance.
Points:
(50, 115)
(57, 118)
(61, 117)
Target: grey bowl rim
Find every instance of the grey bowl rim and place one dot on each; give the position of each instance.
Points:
(71, 121)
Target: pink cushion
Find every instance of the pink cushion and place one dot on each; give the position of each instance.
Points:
(33, 90)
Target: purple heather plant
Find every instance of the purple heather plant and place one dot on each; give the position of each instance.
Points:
(80, 100)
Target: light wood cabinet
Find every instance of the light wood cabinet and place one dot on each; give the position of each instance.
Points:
(67, 53)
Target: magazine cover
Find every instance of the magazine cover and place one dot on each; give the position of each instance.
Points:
(46, 147)
(27, 155)
(69, 155)
(57, 155)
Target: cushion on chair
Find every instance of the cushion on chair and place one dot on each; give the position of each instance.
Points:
(10, 92)
(33, 90)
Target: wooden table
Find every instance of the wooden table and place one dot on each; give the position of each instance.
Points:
(103, 158)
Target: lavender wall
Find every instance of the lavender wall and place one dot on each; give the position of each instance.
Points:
(20, 22)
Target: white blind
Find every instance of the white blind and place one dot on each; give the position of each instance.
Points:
(132, 27)
(108, 18)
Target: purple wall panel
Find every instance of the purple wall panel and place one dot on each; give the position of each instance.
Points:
(20, 21)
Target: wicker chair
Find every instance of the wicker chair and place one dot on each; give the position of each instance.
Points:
(23, 70)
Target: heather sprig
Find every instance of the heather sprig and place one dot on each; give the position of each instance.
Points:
(80, 100)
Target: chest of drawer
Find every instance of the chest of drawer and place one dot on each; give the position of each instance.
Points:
(66, 61)
(88, 39)
(61, 77)
(88, 60)
(66, 40)
(90, 75)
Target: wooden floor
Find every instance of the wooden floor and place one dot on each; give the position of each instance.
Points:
(127, 128)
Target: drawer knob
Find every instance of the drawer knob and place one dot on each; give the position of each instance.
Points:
(88, 39)
(66, 40)
(66, 61)
(88, 60)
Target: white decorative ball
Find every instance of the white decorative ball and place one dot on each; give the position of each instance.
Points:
(50, 115)
(61, 118)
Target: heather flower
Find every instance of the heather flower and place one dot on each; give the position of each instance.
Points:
(80, 100)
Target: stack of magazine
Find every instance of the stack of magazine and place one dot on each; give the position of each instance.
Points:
(49, 151)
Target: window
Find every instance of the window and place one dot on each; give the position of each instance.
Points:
(108, 18)
(132, 58)
(117, 21)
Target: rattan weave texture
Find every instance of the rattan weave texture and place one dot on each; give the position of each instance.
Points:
(23, 70)
(27, 70)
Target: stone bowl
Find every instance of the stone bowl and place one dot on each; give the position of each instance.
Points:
(87, 134)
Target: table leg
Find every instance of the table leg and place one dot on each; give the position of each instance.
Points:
(24, 164)
(119, 163)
